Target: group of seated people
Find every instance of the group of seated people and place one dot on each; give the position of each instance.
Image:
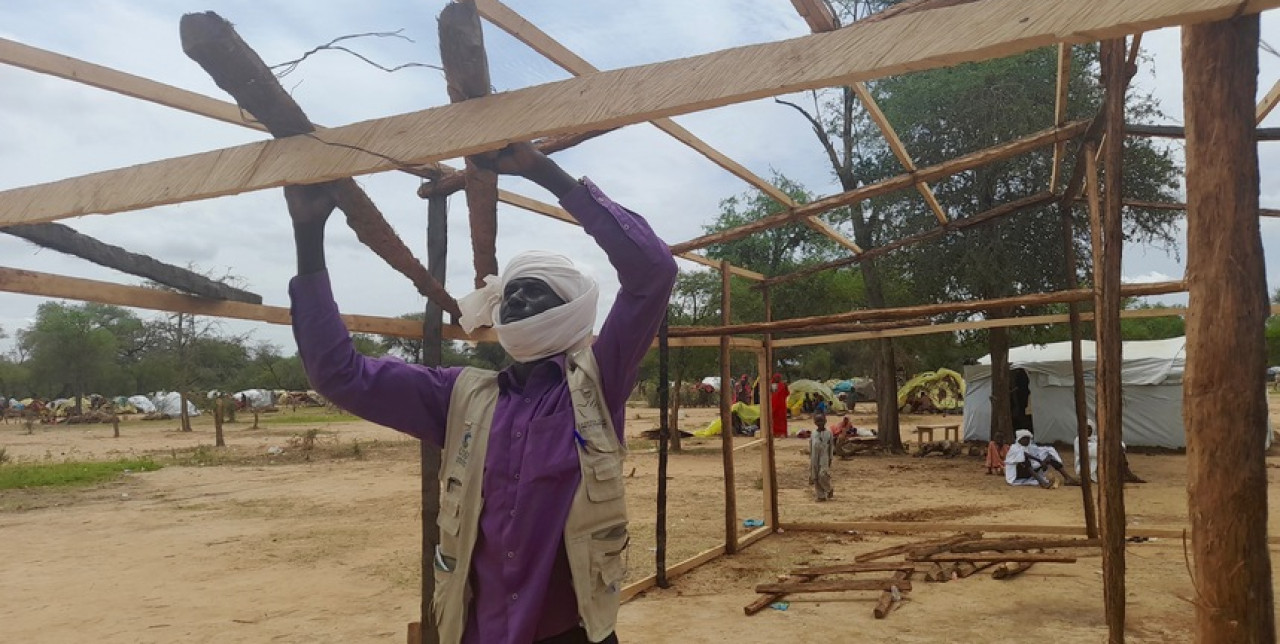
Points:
(1028, 463)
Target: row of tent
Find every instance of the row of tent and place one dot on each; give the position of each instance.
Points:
(164, 403)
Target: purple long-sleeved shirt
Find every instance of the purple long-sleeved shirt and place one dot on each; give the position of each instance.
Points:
(520, 574)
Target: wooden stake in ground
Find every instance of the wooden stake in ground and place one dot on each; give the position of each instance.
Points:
(726, 420)
(1110, 354)
(466, 71)
(428, 453)
(766, 414)
(218, 404)
(236, 68)
(1224, 403)
(664, 443)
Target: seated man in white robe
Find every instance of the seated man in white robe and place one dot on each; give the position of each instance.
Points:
(1028, 463)
(1129, 476)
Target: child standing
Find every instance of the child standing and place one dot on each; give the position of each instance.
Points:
(821, 450)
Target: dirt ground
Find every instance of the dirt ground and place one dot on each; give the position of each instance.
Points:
(320, 543)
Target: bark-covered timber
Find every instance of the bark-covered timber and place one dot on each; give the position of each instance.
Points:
(64, 239)
(428, 453)
(726, 418)
(213, 43)
(448, 183)
(1077, 366)
(466, 72)
(1224, 403)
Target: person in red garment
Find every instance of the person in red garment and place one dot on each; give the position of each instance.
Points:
(778, 403)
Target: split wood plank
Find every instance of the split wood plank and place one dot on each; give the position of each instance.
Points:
(1268, 103)
(1023, 544)
(833, 586)
(893, 551)
(851, 568)
(926, 40)
(213, 43)
(506, 19)
(1226, 350)
(893, 184)
(466, 73)
(887, 597)
(928, 310)
(1060, 110)
(1010, 570)
(976, 557)
(67, 240)
(899, 150)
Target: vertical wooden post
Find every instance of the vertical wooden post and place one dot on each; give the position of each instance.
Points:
(767, 484)
(1224, 404)
(218, 440)
(429, 454)
(1109, 351)
(726, 420)
(766, 411)
(664, 441)
(1077, 369)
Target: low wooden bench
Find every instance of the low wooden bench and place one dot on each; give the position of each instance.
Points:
(947, 430)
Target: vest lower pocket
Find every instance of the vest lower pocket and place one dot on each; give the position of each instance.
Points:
(607, 563)
(449, 519)
(604, 477)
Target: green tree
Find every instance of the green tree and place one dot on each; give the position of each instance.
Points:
(74, 349)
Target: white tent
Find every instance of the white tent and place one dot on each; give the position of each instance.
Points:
(170, 404)
(1151, 376)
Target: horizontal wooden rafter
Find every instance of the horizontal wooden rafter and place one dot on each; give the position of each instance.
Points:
(1178, 132)
(887, 186)
(1174, 534)
(899, 150)
(920, 41)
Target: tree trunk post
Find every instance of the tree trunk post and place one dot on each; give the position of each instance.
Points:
(1077, 372)
(1001, 400)
(664, 440)
(217, 423)
(1109, 350)
(429, 454)
(115, 426)
(726, 418)
(1224, 396)
(770, 474)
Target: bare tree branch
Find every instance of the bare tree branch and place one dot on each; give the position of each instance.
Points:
(288, 67)
(817, 130)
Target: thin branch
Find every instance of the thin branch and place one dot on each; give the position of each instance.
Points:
(290, 66)
(817, 130)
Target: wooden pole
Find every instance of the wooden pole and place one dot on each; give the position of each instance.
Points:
(1077, 370)
(1224, 399)
(664, 442)
(236, 68)
(1109, 354)
(429, 454)
(466, 73)
(726, 419)
(768, 486)
(766, 412)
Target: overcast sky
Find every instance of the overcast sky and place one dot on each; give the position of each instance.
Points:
(53, 129)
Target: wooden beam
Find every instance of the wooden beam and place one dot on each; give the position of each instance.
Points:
(726, 417)
(769, 466)
(466, 73)
(912, 528)
(526, 32)
(817, 14)
(1001, 211)
(1224, 401)
(899, 150)
(939, 37)
(14, 280)
(236, 68)
(1268, 103)
(928, 310)
(1023, 544)
(1016, 556)
(1060, 110)
(428, 452)
(635, 588)
(835, 235)
(1179, 132)
(66, 67)
(833, 586)
(886, 186)
(66, 240)
(1078, 394)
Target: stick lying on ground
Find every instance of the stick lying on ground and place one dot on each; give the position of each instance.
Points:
(834, 586)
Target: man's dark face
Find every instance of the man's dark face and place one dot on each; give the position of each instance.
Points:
(1024, 441)
(526, 297)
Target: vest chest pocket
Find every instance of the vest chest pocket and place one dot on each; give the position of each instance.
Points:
(603, 476)
(449, 518)
(607, 563)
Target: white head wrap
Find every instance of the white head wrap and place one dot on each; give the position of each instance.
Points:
(557, 330)
(1018, 435)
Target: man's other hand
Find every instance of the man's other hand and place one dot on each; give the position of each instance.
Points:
(310, 205)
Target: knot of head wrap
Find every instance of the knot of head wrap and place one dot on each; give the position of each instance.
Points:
(557, 330)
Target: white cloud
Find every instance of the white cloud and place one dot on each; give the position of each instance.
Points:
(1149, 277)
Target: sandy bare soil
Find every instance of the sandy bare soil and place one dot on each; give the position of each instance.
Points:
(240, 546)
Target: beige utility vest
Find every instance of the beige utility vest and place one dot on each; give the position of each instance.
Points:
(595, 534)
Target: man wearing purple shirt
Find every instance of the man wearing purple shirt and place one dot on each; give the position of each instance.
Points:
(520, 583)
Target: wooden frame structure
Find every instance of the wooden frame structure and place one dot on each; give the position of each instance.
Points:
(596, 100)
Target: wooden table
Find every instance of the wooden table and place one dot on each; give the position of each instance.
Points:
(947, 430)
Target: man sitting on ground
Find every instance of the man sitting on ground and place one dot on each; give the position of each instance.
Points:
(1028, 463)
(1129, 476)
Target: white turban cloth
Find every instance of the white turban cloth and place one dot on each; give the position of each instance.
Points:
(557, 330)
(1018, 435)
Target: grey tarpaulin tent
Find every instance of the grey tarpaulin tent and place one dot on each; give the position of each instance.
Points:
(1151, 376)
